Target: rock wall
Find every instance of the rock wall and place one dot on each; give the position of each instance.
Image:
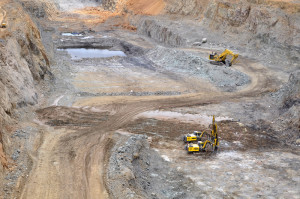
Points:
(23, 64)
(288, 100)
(246, 22)
(160, 33)
(39, 9)
(268, 30)
(109, 4)
(274, 23)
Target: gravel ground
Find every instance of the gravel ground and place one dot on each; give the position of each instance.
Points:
(137, 171)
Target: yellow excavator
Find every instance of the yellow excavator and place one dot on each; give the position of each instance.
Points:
(222, 58)
(212, 141)
(3, 25)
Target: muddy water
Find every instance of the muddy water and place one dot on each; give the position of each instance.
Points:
(79, 53)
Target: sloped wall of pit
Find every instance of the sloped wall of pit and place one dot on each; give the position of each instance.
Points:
(23, 64)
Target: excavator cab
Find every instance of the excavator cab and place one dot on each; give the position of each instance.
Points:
(3, 25)
(212, 55)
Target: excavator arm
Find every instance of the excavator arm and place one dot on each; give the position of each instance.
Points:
(234, 58)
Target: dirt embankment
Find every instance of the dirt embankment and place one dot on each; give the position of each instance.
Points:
(23, 64)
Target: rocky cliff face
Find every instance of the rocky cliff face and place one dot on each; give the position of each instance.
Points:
(280, 20)
(276, 24)
(109, 4)
(261, 28)
(288, 99)
(23, 64)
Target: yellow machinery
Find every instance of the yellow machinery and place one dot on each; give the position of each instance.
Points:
(212, 141)
(192, 148)
(222, 58)
(3, 25)
(196, 136)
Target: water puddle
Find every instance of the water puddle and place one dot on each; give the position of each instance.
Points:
(79, 53)
(88, 37)
(68, 34)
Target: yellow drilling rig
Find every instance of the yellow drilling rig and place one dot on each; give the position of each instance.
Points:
(210, 143)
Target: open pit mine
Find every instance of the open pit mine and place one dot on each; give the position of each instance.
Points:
(160, 99)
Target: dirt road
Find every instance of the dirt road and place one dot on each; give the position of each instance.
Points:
(72, 158)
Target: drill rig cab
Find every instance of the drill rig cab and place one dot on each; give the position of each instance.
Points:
(195, 136)
(190, 148)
